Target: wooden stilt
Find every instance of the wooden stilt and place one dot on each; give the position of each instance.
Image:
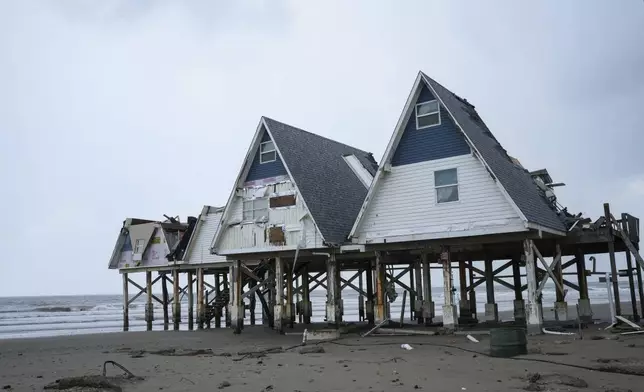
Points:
(164, 287)
(191, 300)
(491, 308)
(412, 292)
(464, 305)
(290, 310)
(226, 310)
(218, 310)
(252, 302)
(472, 292)
(126, 304)
(381, 313)
(369, 311)
(418, 307)
(534, 316)
(278, 312)
(306, 297)
(149, 308)
(333, 311)
(428, 304)
(176, 300)
(236, 301)
(360, 298)
(200, 299)
(450, 321)
(613, 264)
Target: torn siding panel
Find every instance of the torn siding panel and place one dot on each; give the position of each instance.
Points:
(293, 220)
(405, 202)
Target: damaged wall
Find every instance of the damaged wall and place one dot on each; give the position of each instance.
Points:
(287, 223)
(154, 255)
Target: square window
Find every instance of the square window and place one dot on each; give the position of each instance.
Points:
(267, 152)
(427, 114)
(255, 209)
(446, 184)
(138, 246)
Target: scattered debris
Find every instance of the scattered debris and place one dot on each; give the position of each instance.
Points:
(312, 350)
(541, 382)
(472, 339)
(629, 322)
(93, 381)
(6, 386)
(406, 346)
(223, 384)
(550, 332)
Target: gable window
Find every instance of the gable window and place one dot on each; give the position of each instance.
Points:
(446, 184)
(427, 114)
(255, 209)
(138, 246)
(267, 152)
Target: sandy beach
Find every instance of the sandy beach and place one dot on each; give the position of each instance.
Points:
(232, 362)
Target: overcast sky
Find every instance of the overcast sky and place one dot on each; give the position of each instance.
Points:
(115, 108)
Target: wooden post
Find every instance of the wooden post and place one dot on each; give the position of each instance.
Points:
(428, 304)
(306, 296)
(472, 292)
(191, 300)
(629, 267)
(534, 316)
(381, 298)
(252, 301)
(333, 311)
(218, 309)
(561, 306)
(176, 303)
(164, 287)
(226, 310)
(419, 292)
(236, 301)
(412, 292)
(585, 310)
(465, 314)
(360, 297)
(491, 308)
(611, 255)
(126, 303)
(200, 299)
(290, 311)
(278, 313)
(369, 315)
(450, 321)
(519, 304)
(149, 308)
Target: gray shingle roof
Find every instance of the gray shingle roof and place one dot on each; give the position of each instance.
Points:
(331, 190)
(515, 179)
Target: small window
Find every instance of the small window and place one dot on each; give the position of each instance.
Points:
(267, 152)
(138, 246)
(255, 209)
(446, 184)
(427, 114)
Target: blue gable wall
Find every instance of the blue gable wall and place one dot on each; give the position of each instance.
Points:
(260, 171)
(441, 141)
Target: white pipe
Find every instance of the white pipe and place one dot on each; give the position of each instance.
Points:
(557, 333)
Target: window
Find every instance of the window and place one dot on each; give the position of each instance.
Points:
(138, 246)
(267, 152)
(255, 209)
(446, 184)
(427, 114)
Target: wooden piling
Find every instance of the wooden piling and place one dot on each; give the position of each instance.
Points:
(252, 302)
(428, 312)
(149, 308)
(226, 310)
(412, 292)
(380, 302)
(278, 312)
(611, 255)
(191, 322)
(418, 306)
(200, 299)
(472, 292)
(450, 321)
(290, 311)
(126, 304)
(218, 310)
(306, 296)
(629, 267)
(164, 287)
(534, 316)
(360, 297)
(176, 300)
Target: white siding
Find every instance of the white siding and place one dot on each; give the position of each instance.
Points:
(405, 203)
(199, 250)
(253, 237)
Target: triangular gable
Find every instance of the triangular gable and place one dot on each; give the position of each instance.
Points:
(260, 170)
(262, 129)
(142, 233)
(421, 84)
(207, 225)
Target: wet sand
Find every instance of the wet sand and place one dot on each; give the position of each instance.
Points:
(349, 364)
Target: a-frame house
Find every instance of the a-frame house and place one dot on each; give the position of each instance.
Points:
(445, 177)
(296, 194)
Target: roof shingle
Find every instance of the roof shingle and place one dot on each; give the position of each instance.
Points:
(332, 191)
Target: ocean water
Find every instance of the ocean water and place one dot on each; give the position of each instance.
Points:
(23, 317)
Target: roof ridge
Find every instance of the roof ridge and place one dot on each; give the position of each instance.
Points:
(316, 135)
